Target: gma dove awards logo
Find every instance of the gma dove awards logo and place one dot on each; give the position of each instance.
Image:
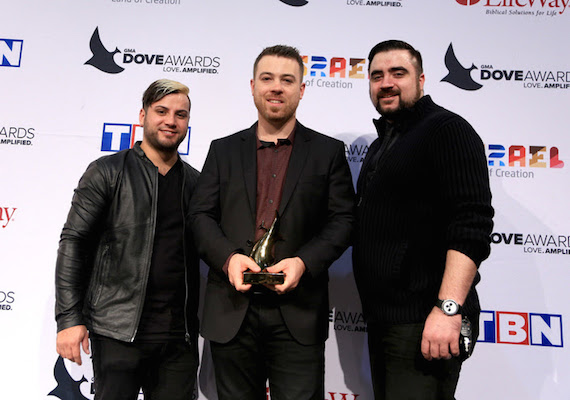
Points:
(105, 60)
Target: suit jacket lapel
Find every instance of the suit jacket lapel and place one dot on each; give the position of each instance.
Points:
(249, 162)
(296, 164)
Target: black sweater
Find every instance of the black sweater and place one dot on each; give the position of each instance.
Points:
(429, 193)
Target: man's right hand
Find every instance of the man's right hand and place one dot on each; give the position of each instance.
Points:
(238, 264)
(69, 340)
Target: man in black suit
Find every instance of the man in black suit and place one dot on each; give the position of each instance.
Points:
(275, 332)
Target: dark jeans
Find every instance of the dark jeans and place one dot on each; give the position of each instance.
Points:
(264, 349)
(400, 372)
(164, 371)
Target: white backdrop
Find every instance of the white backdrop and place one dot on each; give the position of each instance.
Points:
(55, 109)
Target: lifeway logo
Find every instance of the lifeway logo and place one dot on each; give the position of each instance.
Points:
(105, 60)
(117, 137)
(333, 72)
(530, 329)
(549, 8)
(342, 396)
(349, 321)
(11, 52)
(521, 161)
(6, 300)
(534, 243)
(462, 77)
(6, 215)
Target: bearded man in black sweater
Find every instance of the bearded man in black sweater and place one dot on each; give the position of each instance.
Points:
(424, 217)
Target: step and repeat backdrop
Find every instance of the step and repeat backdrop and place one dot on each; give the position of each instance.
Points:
(72, 73)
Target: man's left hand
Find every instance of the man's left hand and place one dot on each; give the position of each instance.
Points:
(293, 268)
(440, 338)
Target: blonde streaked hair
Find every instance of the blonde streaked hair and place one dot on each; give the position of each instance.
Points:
(161, 88)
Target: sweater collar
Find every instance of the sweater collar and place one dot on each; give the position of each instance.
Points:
(407, 117)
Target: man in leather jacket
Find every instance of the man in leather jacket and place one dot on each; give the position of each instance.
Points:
(127, 270)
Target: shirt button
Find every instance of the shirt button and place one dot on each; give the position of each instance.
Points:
(270, 201)
(274, 175)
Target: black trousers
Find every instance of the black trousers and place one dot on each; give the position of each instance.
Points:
(264, 349)
(164, 371)
(399, 370)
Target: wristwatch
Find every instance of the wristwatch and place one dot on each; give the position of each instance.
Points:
(448, 306)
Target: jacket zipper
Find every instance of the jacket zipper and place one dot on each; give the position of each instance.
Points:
(154, 211)
(186, 333)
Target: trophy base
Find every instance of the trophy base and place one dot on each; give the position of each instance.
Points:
(259, 278)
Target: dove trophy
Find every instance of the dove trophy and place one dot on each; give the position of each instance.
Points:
(262, 254)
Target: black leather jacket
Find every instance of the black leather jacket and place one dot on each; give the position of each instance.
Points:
(106, 244)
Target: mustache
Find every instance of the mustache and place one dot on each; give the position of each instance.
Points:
(387, 93)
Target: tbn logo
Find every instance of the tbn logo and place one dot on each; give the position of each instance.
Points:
(528, 329)
(11, 52)
(117, 137)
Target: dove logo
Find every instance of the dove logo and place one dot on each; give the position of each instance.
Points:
(530, 329)
(458, 75)
(11, 52)
(295, 3)
(117, 137)
(102, 58)
(67, 388)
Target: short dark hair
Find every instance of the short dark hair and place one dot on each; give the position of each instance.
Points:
(162, 88)
(280, 51)
(389, 45)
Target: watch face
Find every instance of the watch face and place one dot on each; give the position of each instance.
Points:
(450, 307)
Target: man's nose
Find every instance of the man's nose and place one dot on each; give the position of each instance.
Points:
(170, 119)
(277, 86)
(387, 82)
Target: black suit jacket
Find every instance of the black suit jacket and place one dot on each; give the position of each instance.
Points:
(316, 212)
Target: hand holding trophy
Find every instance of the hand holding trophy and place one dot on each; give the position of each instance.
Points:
(262, 254)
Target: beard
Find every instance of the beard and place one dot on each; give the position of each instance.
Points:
(271, 116)
(396, 113)
(153, 139)
(404, 105)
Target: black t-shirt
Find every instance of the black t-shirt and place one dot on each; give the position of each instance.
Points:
(163, 313)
